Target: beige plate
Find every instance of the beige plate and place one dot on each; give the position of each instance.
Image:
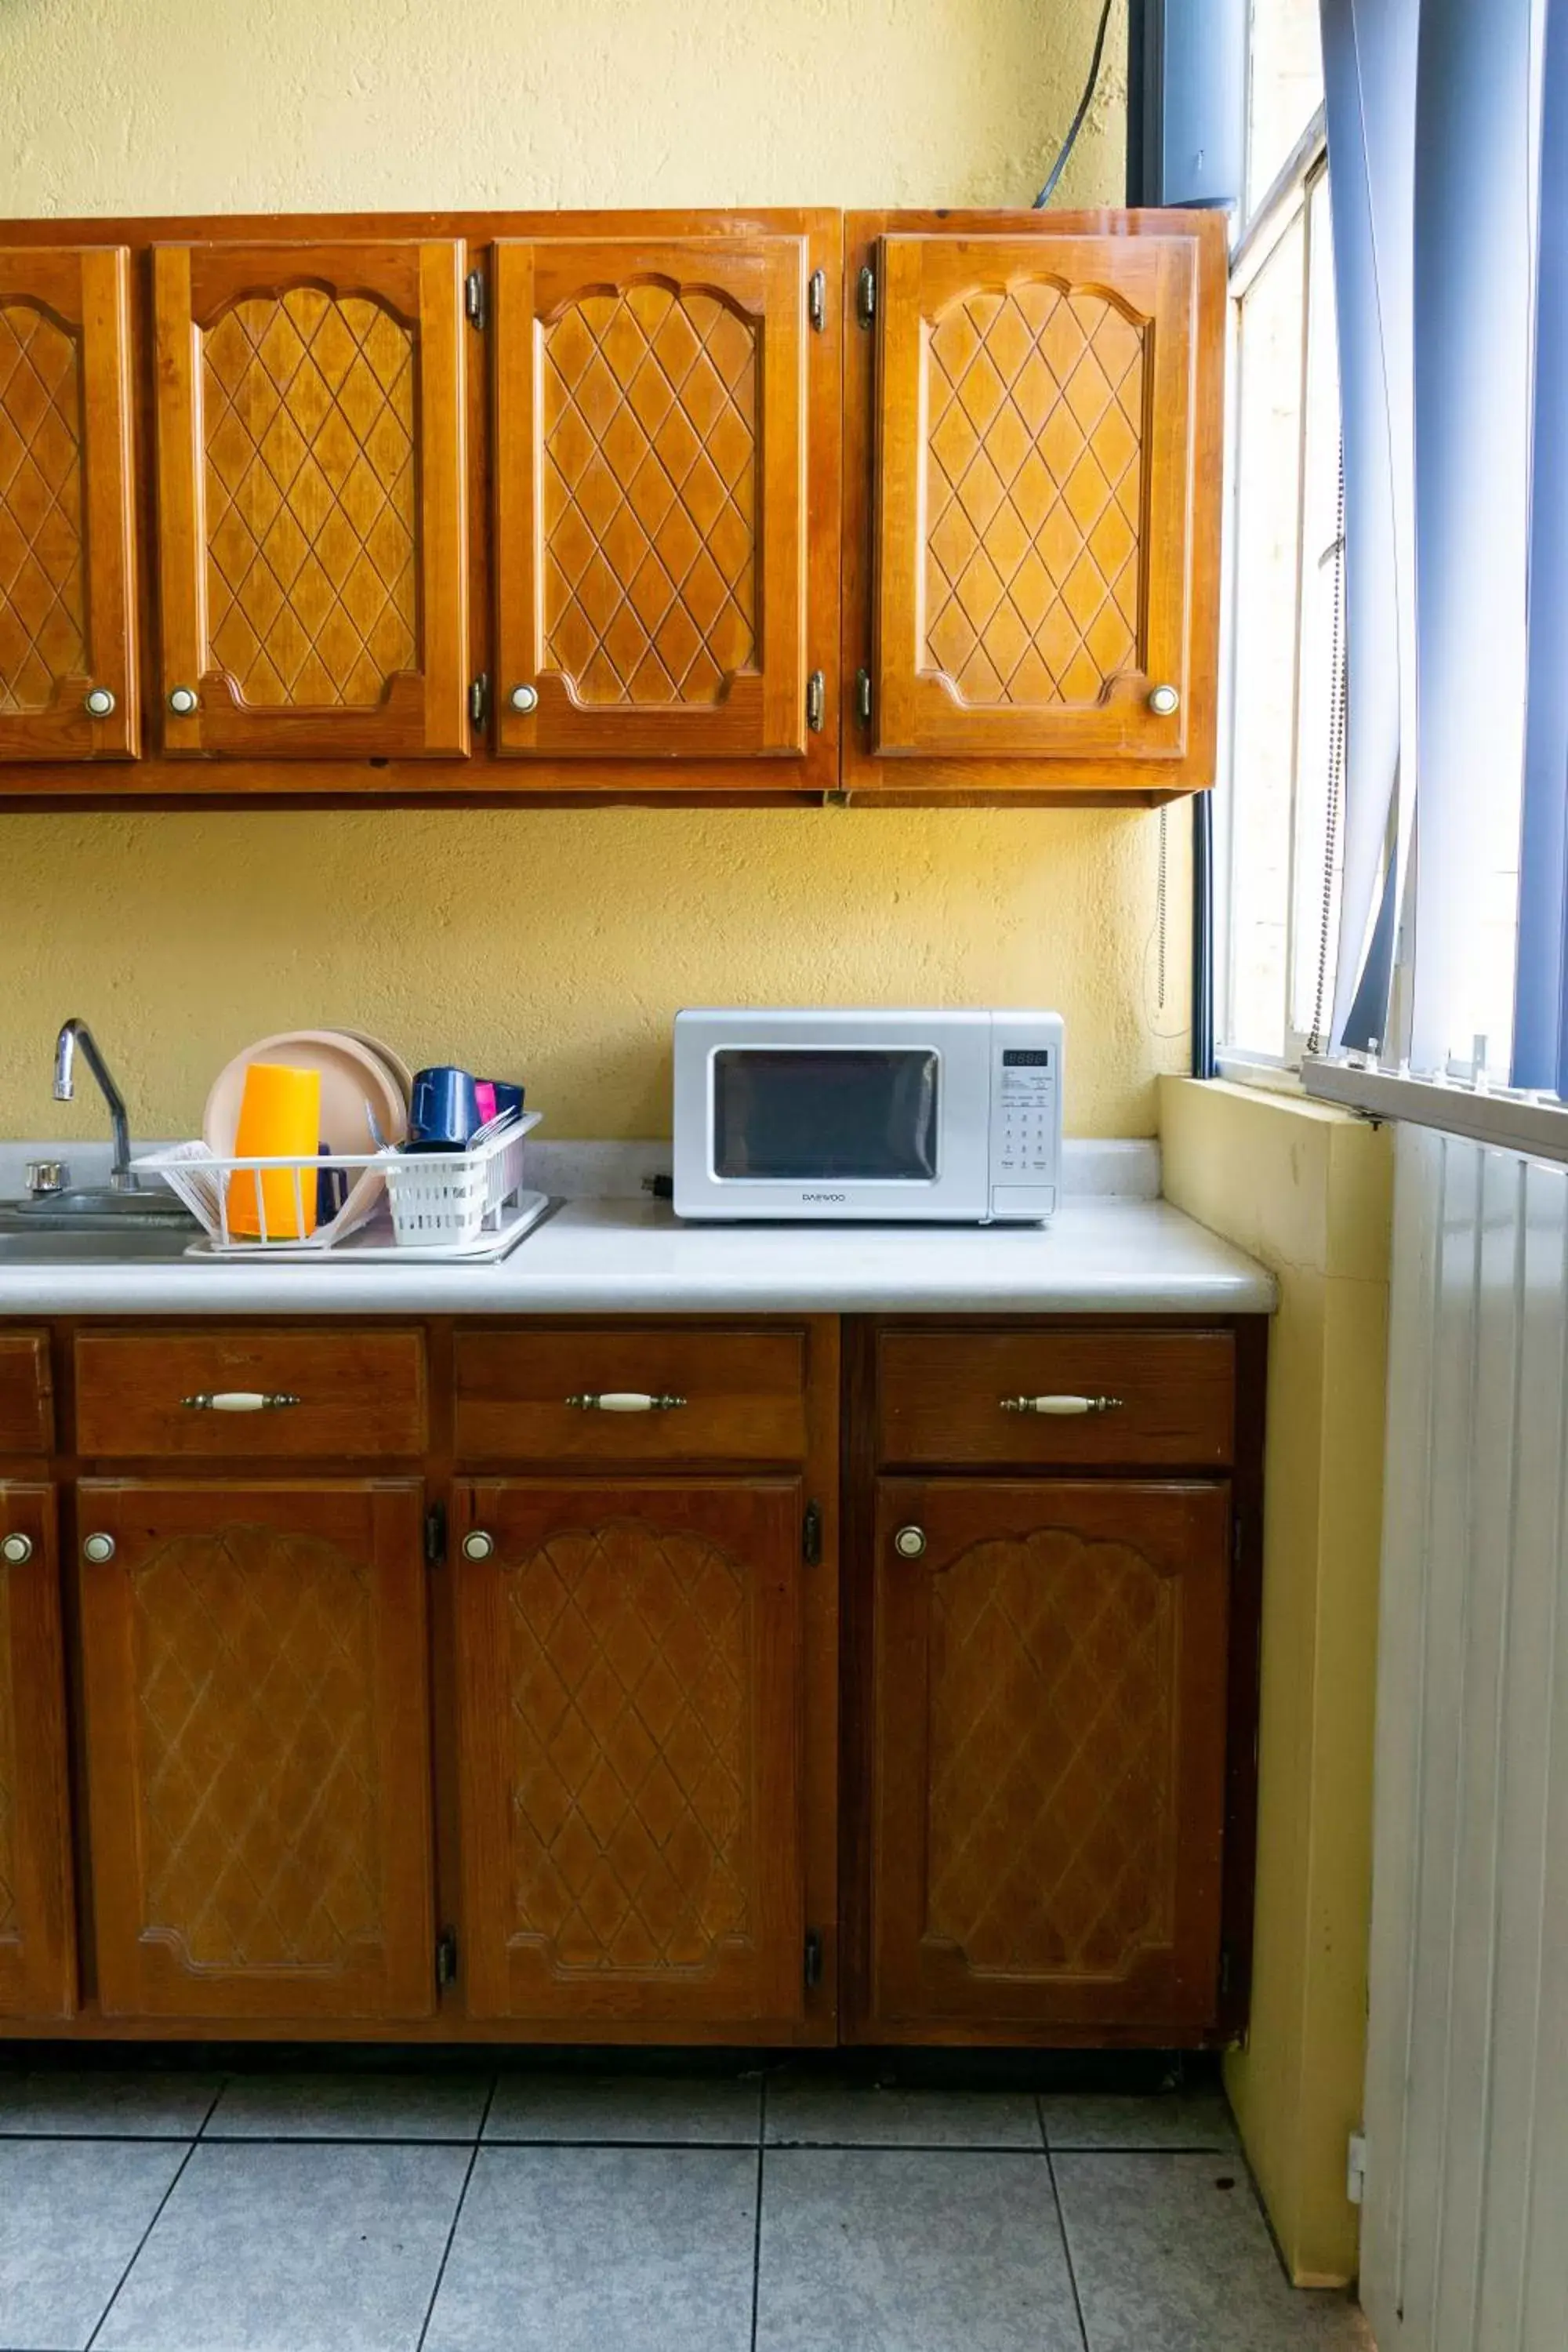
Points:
(353, 1075)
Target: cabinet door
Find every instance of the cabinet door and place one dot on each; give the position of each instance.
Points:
(1036, 472)
(310, 499)
(257, 1748)
(629, 1670)
(1049, 1743)
(67, 599)
(37, 1950)
(650, 497)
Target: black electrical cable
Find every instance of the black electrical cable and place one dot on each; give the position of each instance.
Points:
(1085, 102)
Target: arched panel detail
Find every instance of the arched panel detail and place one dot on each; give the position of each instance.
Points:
(43, 571)
(650, 425)
(632, 1835)
(310, 497)
(1034, 498)
(1051, 1731)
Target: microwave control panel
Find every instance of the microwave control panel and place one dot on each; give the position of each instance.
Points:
(1025, 1118)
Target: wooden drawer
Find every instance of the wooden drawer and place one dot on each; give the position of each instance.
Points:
(25, 1393)
(742, 1395)
(353, 1395)
(944, 1397)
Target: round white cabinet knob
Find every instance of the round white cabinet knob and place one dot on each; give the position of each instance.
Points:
(478, 1545)
(99, 702)
(909, 1542)
(98, 1548)
(524, 698)
(181, 700)
(17, 1551)
(1163, 700)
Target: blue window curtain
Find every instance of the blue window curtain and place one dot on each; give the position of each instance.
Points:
(1541, 995)
(1447, 126)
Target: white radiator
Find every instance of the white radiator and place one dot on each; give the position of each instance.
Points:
(1465, 2244)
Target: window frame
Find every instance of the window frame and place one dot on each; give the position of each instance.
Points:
(1259, 233)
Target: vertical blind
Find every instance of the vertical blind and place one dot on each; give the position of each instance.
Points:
(1447, 126)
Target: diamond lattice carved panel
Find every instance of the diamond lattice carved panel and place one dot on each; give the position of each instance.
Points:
(632, 1830)
(1034, 467)
(43, 607)
(254, 1699)
(311, 498)
(649, 495)
(1050, 1829)
(8, 1920)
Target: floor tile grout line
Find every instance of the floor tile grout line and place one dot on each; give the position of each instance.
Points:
(757, 2219)
(457, 2212)
(1066, 2245)
(191, 2148)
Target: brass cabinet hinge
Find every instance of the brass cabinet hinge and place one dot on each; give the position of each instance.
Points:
(866, 295)
(474, 302)
(447, 1959)
(815, 701)
(811, 1535)
(863, 697)
(480, 699)
(812, 1969)
(435, 1534)
(816, 300)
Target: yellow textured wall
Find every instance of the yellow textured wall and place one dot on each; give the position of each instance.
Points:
(560, 942)
(1308, 1189)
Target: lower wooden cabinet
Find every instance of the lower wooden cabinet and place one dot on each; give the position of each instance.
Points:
(630, 1692)
(257, 1748)
(38, 1958)
(1047, 1757)
(842, 1692)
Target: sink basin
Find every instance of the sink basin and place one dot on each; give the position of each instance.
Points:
(77, 1242)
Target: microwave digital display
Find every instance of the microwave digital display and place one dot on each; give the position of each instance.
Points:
(820, 1113)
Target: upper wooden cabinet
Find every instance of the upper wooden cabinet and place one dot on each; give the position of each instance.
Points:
(68, 630)
(909, 506)
(1033, 423)
(311, 498)
(651, 489)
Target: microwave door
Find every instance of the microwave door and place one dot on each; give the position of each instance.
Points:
(835, 1115)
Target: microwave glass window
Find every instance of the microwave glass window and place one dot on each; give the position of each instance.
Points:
(863, 1116)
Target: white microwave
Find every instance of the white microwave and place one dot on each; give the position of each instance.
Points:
(884, 1116)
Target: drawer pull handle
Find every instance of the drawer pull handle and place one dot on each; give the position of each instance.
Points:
(17, 1551)
(1061, 1408)
(626, 1401)
(238, 1400)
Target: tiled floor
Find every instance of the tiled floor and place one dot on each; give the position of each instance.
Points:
(456, 2212)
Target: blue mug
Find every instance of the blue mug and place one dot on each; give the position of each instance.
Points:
(443, 1113)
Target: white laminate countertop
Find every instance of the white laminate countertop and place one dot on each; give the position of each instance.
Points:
(1100, 1256)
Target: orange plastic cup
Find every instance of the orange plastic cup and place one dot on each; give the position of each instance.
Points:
(280, 1118)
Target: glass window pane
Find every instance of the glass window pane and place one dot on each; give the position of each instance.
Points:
(1266, 572)
(1285, 85)
(1315, 946)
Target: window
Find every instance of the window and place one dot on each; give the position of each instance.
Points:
(1277, 862)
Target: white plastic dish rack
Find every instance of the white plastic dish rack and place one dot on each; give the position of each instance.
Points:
(426, 1205)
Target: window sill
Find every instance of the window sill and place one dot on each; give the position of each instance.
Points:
(1500, 1118)
(1257, 1070)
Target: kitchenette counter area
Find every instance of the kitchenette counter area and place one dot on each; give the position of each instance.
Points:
(596, 1256)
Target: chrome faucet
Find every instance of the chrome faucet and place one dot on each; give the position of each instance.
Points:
(75, 1033)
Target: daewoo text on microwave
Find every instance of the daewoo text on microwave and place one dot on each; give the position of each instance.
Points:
(885, 1116)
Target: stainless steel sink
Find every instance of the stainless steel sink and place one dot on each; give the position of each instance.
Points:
(79, 1243)
(94, 1228)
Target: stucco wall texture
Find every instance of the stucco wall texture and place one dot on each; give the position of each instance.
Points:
(560, 942)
